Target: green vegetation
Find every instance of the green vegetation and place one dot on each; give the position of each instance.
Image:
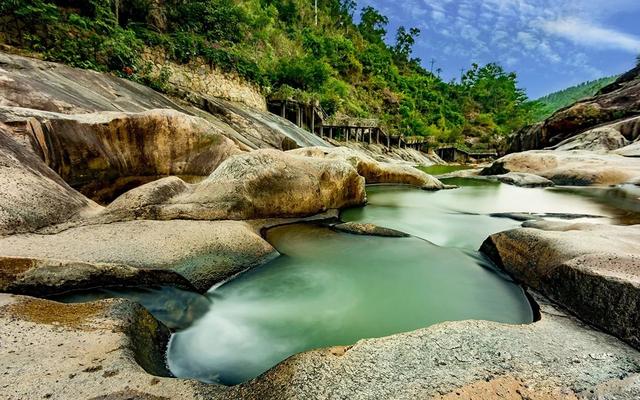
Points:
(349, 68)
(563, 98)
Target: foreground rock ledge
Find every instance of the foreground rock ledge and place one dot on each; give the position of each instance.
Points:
(215, 250)
(110, 350)
(591, 269)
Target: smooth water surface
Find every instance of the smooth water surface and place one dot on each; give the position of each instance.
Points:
(438, 169)
(333, 288)
(330, 288)
(462, 217)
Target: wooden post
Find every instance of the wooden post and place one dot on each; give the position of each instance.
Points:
(331, 133)
(348, 129)
(388, 141)
(369, 135)
(283, 112)
(313, 123)
(378, 135)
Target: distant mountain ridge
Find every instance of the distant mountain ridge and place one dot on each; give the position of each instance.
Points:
(563, 98)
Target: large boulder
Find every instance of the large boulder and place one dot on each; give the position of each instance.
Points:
(592, 269)
(372, 170)
(569, 167)
(602, 139)
(112, 349)
(259, 184)
(32, 195)
(201, 252)
(104, 154)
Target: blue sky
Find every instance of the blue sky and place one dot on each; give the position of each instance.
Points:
(551, 44)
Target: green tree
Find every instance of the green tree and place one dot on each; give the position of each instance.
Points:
(373, 25)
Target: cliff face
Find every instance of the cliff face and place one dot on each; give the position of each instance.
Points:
(34, 84)
(614, 104)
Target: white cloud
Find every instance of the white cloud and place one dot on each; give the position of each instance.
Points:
(589, 34)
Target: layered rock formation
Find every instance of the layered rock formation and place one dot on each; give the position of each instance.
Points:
(29, 83)
(373, 171)
(104, 154)
(33, 196)
(591, 269)
(614, 106)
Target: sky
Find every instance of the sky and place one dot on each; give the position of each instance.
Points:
(550, 44)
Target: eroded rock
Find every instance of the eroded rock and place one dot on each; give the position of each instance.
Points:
(92, 350)
(259, 184)
(32, 195)
(372, 170)
(201, 252)
(367, 229)
(554, 356)
(104, 154)
(592, 269)
(569, 167)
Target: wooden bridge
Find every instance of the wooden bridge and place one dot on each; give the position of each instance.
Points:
(365, 130)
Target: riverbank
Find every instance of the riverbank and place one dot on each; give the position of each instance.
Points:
(62, 130)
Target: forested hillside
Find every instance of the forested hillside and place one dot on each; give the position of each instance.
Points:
(563, 98)
(359, 70)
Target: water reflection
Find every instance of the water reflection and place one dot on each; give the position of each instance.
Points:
(461, 217)
(176, 308)
(333, 289)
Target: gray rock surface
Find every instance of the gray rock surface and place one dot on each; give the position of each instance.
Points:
(112, 349)
(32, 195)
(372, 170)
(202, 252)
(602, 139)
(616, 106)
(367, 229)
(45, 277)
(591, 269)
(576, 167)
(522, 179)
(258, 184)
(30, 83)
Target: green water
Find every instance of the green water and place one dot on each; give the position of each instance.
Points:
(443, 169)
(333, 288)
(330, 288)
(461, 217)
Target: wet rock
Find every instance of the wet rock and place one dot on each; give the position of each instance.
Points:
(576, 168)
(368, 229)
(201, 252)
(591, 269)
(104, 154)
(527, 216)
(45, 277)
(372, 170)
(91, 350)
(555, 357)
(522, 179)
(32, 195)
